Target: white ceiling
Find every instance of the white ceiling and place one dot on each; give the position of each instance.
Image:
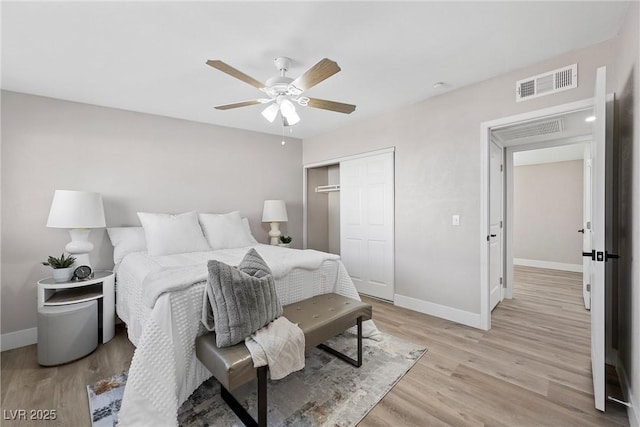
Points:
(560, 153)
(150, 56)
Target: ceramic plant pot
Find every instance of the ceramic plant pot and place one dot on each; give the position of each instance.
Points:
(62, 274)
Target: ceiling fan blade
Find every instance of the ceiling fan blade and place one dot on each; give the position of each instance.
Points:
(239, 104)
(331, 105)
(226, 68)
(314, 75)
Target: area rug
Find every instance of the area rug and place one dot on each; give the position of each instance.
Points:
(327, 392)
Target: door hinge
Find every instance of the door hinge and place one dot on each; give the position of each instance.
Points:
(501, 280)
(588, 287)
(500, 224)
(588, 225)
(501, 168)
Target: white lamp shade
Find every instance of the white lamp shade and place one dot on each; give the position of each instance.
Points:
(270, 112)
(274, 211)
(76, 209)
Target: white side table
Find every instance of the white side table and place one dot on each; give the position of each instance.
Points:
(101, 287)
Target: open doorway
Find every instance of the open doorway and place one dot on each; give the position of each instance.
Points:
(601, 131)
(548, 209)
(541, 189)
(532, 130)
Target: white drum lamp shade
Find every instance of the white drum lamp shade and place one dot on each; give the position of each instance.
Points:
(79, 211)
(274, 212)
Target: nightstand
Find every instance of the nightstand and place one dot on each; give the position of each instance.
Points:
(101, 288)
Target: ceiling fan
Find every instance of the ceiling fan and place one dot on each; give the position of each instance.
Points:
(283, 91)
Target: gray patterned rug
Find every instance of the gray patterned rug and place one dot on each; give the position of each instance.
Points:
(327, 392)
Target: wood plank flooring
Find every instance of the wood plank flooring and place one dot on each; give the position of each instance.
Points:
(531, 369)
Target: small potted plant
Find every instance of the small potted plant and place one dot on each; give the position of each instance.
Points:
(285, 241)
(62, 271)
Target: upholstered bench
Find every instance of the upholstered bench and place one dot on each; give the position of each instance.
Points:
(320, 318)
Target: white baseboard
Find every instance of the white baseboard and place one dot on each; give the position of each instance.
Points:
(576, 268)
(18, 339)
(437, 310)
(632, 411)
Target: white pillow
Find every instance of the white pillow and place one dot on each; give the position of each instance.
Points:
(172, 234)
(247, 231)
(224, 231)
(126, 240)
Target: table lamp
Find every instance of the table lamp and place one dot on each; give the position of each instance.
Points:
(79, 211)
(275, 212)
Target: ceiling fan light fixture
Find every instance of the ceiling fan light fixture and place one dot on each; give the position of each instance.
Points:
(288, 111)
(286, 106)
(282, 91)
(292, 118)
(271, 112)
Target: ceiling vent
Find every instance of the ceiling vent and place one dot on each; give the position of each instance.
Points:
(527, 130)
(547, 83)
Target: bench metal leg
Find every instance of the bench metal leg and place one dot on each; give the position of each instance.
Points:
(239, 410)
(356, 363)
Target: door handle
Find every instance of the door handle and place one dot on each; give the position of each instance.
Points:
(591, 254)
(493, 235)
(608, 256)
(581, 231)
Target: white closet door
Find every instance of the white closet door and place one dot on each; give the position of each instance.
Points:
(366, 223)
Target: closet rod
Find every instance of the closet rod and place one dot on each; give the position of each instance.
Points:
(327, 188)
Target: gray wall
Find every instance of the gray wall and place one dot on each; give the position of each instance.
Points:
(438, 173)
(627, 142)
(139, 162)
(317, 210)
(547, 212)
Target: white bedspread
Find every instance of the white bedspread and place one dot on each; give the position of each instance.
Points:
(163, 318)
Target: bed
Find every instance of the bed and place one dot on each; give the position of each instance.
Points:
(162, 301)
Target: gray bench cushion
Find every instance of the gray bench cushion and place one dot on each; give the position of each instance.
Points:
(320, 318)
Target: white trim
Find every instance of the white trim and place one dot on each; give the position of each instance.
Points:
(351, 157)
(485, 139)
(437, 310)
(576, 268)
(632, 414)
(485, 301)
(508, 222)
(305, 214)
(18, 339)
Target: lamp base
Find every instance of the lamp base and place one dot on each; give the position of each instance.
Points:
(79, 246)
(275, 233)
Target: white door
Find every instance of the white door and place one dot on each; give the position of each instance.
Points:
(586, 227)
(366, 223)
(598, 146)
(495, 225)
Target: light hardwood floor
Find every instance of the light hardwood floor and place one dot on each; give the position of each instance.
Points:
(532, 368)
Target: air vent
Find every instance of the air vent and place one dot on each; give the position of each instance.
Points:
(526, 130)
(547, 83)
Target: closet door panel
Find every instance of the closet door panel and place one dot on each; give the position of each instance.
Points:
(366, 203)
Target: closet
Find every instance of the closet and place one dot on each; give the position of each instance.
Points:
(349, 211)
(323, 208)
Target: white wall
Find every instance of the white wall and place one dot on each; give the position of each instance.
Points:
(438, 175)
(138, 162)
(547, 212)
